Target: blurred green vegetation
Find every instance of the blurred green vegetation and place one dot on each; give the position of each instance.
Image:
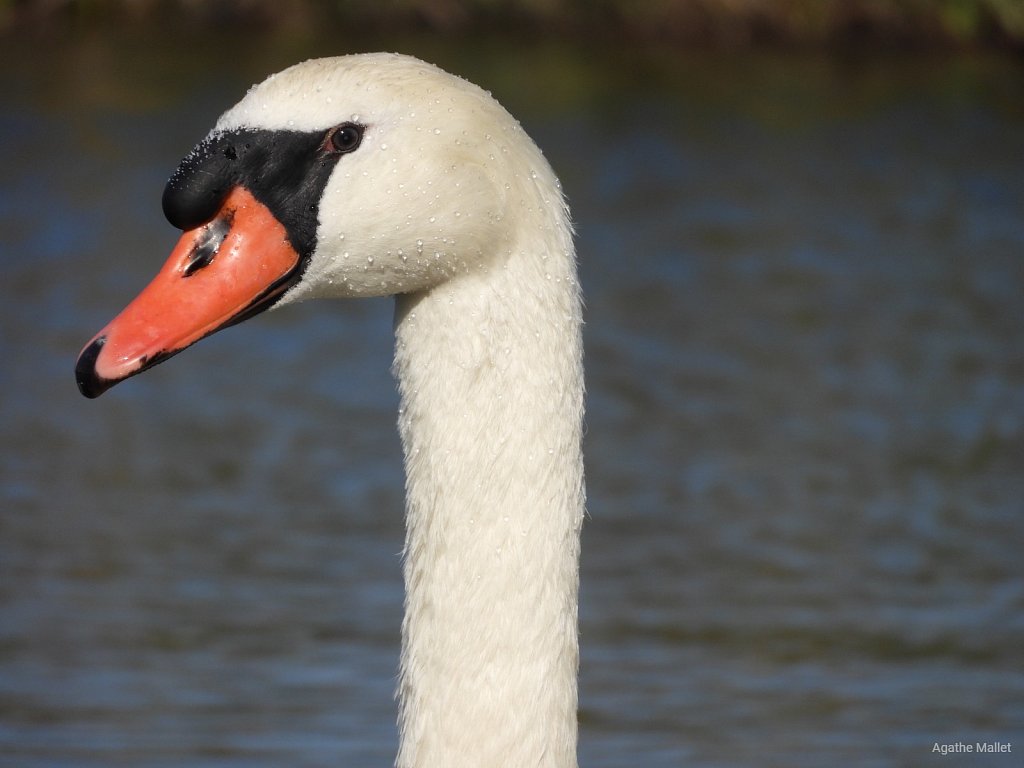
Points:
(712, 23)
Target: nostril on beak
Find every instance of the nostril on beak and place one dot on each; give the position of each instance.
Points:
(208, 243)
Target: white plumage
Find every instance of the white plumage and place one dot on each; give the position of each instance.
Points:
(449, 204)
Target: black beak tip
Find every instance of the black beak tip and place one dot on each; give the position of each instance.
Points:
(89, 382)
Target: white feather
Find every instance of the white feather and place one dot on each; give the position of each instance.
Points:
(448, 204)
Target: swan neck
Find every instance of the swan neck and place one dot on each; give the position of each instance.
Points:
(491, 384)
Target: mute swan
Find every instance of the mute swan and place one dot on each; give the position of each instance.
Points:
(379, 174)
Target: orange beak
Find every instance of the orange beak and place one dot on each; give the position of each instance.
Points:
(218, 274)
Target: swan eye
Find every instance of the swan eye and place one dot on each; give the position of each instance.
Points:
(344, 138)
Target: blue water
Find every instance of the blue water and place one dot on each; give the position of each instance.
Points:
(805, 445)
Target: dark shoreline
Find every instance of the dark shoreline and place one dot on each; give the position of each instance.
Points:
(789, 24)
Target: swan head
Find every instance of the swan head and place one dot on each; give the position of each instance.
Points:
(362, 175)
